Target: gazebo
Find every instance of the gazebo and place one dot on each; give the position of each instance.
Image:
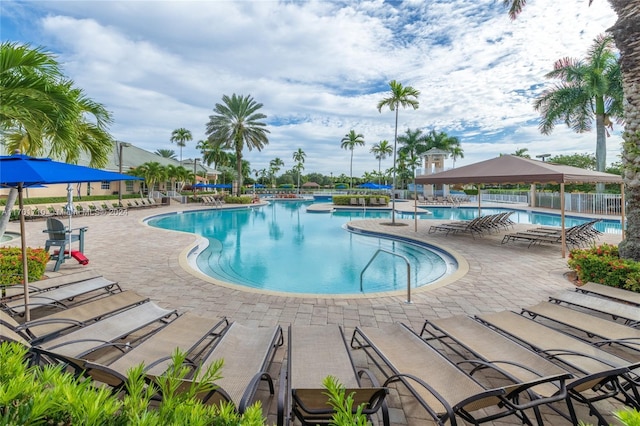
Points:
(509, 169)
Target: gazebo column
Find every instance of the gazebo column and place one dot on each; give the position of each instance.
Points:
(532, 195)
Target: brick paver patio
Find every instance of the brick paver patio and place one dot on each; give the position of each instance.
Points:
(152, 262)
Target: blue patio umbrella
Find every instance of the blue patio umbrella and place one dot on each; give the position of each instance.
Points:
(370, 185)
(21, 171)
(202, 185)
(221, 185)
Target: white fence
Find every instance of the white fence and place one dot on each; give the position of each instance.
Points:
(609, 204)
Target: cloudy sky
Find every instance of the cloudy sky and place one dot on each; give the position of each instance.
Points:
(320, 68)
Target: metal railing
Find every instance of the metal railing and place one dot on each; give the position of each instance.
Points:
(392, 254)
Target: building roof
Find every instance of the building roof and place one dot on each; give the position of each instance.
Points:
(132, 157)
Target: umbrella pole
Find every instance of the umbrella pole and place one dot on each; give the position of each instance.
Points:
(563, 239)
(25, 267)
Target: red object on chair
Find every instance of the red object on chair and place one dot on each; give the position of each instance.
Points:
(79, 256)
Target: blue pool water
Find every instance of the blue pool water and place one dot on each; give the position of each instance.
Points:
(281, 247)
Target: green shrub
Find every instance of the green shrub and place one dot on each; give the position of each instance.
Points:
(232, 199)
(345, 200)
(48, 395)
(602, 264)
(11, 264)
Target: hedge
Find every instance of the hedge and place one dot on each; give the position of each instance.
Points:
(602, 264)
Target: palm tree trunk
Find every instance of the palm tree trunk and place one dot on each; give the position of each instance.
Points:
(625, 33)
(601, 148)
(351, 171)
(393, 191)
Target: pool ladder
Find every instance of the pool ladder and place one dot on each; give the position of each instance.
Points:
(392, 254)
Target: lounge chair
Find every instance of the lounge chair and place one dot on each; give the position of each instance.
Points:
(353, 202)
(582, 323)
(612, 376)
(382, 201)
(362, 202)
(473, 227)
(100, 334)
(62, 238)
(609, 292)
(49, 326)
(59, 297)
(247, 353)
(315, 352)
(186, 333)
(443, 389)
(630, 314)
(514, 361)
(17, 290)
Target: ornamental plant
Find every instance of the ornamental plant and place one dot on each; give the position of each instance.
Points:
(50, 395)
(602, 264)
(11, 264)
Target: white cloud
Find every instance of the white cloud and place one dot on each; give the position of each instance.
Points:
(321, 66)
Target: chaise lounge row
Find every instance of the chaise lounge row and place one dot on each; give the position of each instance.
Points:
(477, 226)
(575, 236)
(543, 357)
(533, 365)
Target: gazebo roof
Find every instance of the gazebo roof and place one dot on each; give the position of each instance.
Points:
(514, 170)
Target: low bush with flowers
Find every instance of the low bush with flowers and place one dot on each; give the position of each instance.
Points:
(602, 264)
(11, 264)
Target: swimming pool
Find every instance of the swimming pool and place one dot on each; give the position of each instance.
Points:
(281, 247)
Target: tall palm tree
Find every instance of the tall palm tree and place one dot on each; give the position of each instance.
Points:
(166, 153)
(181, 136)
(274, 167)
(625, 33)
(299, 157)
(380, 151)
(456, 152)
(401, 96)
(236, 124)
(588, 90)
(42, 112)
(350, 141)
(413, 142)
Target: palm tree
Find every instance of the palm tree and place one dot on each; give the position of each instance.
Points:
(166, 153)
(522, 152)
(152, 173)
(625, 33)
(181, 136)
(274, 166)
(456, 152)
(413, 142)
(588, 89)
(400, 97)
(350, 141)
(237, 123)
(380, 151)
(41, 112)
(299, 157)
